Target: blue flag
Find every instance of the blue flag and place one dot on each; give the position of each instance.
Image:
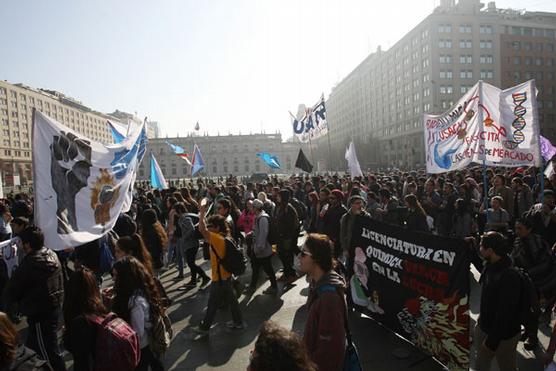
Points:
(116, 135)
(270, 160)
(197, 163)
(157, 178)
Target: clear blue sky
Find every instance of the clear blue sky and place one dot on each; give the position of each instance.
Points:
(232, 65)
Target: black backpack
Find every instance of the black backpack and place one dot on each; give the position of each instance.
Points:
(233, 261)
(529, 306)
(300, 208)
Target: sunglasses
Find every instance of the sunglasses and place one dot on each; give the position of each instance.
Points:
(305, 253)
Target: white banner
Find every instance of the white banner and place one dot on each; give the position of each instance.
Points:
(10, 249)
(313, 124)
(81, 186)
(487, 125)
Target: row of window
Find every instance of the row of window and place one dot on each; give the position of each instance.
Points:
(17, 153)
(529, 46)
(465, 59)
(528, 75)
(529, 61)
(465, 28)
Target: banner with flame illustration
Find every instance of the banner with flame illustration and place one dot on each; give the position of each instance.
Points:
(81, 186)
(487, 125)
(415, 284)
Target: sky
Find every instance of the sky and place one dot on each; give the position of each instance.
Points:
(232, 65)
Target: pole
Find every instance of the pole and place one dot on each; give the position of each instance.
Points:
(485, 178)
(536, 120)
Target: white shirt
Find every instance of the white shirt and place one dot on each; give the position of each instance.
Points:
(140, 318)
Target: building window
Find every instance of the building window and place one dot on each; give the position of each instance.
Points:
(445, 43)
(466, 74)
(485, 29)
(444, 28)
(538, 61)
(465, 44)
(485, 44)
(527, 61)
(465, 59)
(487, 74)
(465, 28)
(516, 45)
(446, 89)
(464, 89)
(445, 59)
(550, 48)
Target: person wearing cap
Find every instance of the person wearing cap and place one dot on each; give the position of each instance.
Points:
(499, 326)
(262, 250)
(332, 217)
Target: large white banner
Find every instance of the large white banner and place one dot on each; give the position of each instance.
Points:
(81, 186)
(313, 124)
(487, 125)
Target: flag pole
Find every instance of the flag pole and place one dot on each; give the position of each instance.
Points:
(536, 119)
(485, 178)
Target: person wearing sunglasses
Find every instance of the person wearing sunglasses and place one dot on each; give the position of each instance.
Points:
(325, 335)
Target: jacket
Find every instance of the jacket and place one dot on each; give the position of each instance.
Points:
(417, 222)
(507, 195)
(37, 284)
(331, 220)
(287, 223)
(499, 314)
(187, 240)
(245, 221)
(346, 227)
(532, 253)
(325, 335)
(261, 246)
(523, 200)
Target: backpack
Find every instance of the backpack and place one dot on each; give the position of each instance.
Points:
(28, 360)
(106, 257)
(233, 261)
(529, 306)
(300, 208)
(117, 346)
(161, 334)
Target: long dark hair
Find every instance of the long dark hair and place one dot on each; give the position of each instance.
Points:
(82, 297)
(152, 231)
(8, 342)
(414, 203)
(134, 246)
(132, 277)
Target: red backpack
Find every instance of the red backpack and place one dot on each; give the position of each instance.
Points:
(117, 346)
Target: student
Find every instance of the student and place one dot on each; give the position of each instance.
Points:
(215, 230)
(278, 349)
(136, 300)
(37, 285)
(155, 238)
(498, 328)
(325, 336)
(83, 301)
(262, 250)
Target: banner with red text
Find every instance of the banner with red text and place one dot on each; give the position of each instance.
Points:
(415, 284)
(487, 125)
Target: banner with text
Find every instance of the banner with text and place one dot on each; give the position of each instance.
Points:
(313, 124)
(417, 285)
(490, 125)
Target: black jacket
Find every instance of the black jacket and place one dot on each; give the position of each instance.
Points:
(499, 313)
(37, 284)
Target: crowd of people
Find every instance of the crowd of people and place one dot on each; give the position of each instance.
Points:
(505, 215)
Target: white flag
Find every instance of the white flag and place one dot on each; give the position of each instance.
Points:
(353, 162)
(487, 125)
(313, 124)
(81, 186)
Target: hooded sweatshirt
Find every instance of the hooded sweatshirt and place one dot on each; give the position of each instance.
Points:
(325, 335)
(286, 217)
(37, 284)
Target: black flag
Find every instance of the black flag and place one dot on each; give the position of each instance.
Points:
(302, 162)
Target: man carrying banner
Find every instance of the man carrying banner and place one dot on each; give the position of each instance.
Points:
(499, 325)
